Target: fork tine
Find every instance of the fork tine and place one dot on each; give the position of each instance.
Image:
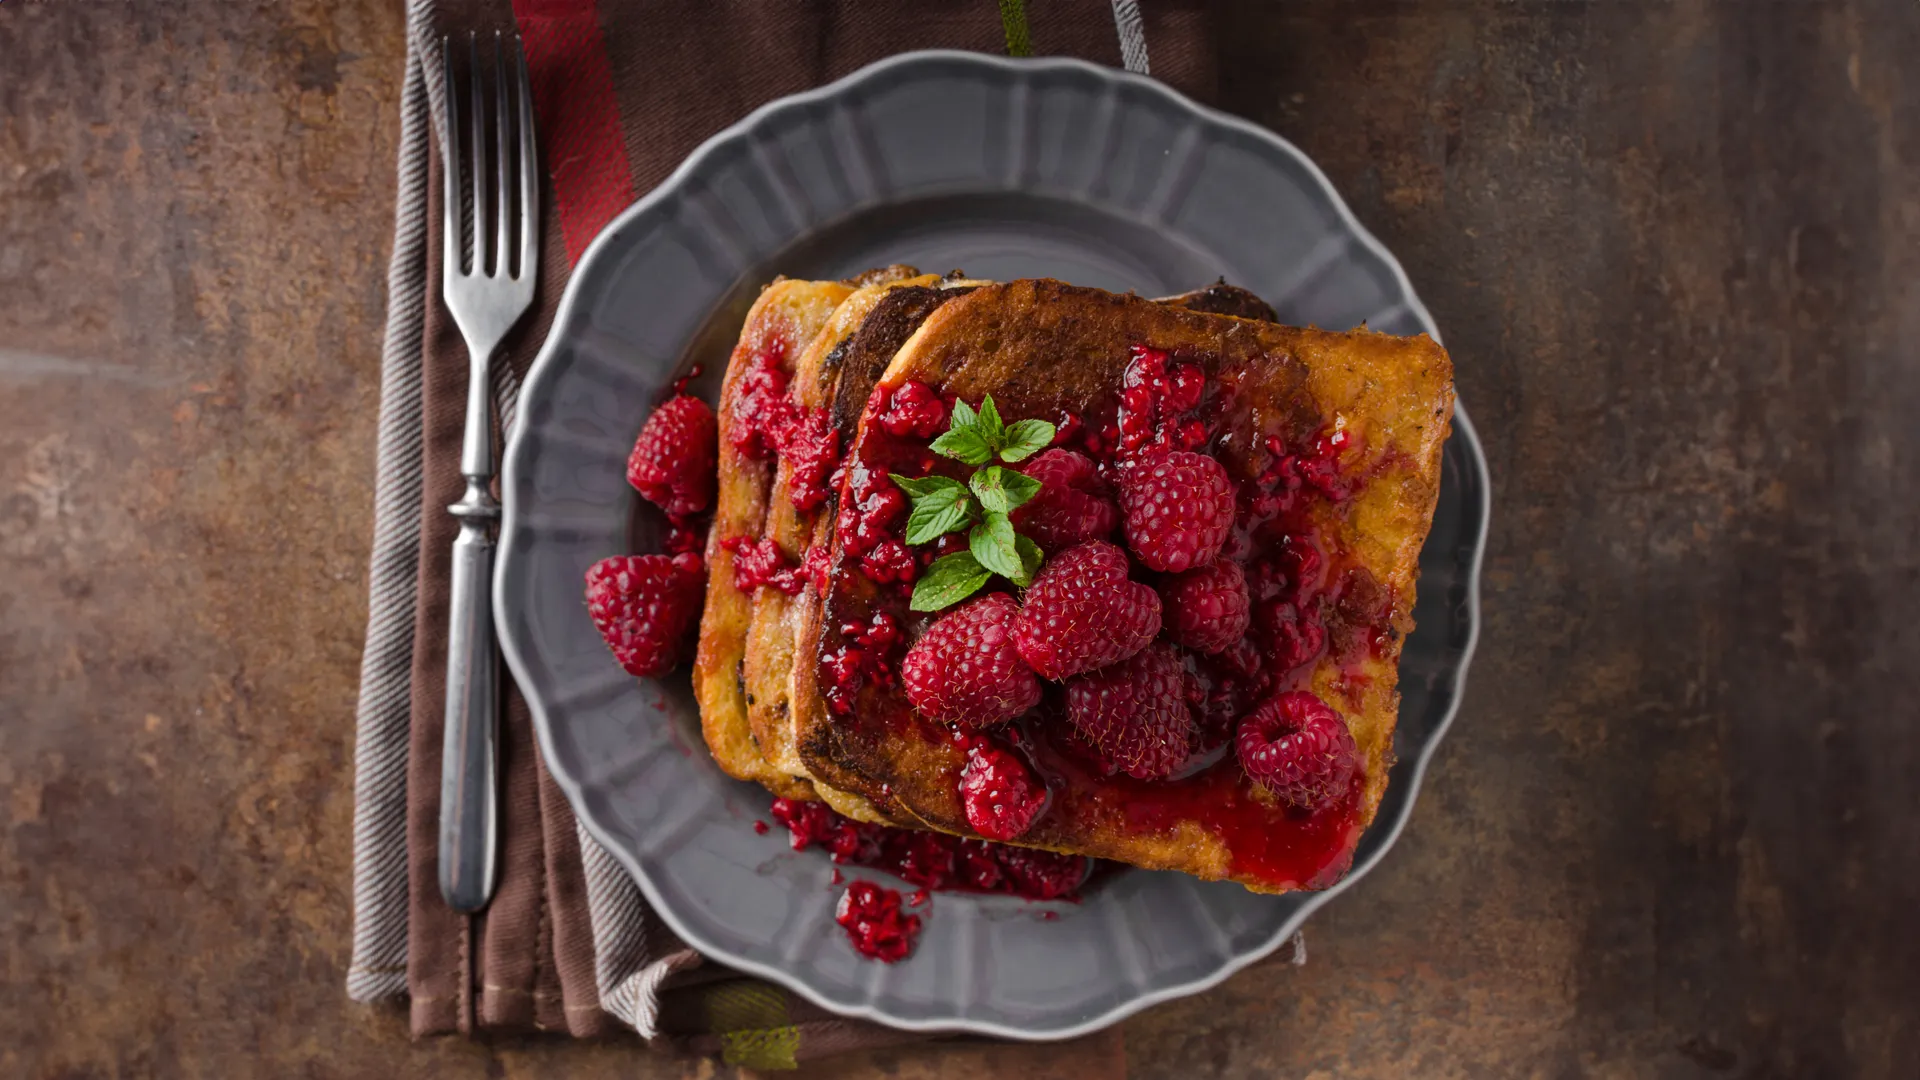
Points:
(478, 127)
(529, 165)
(450, 233)
(502, 147)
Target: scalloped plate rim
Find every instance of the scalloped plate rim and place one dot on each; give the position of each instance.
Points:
(564, 320)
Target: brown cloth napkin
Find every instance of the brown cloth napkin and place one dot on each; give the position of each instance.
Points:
(624, 90)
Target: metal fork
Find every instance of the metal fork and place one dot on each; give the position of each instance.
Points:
(487, 293)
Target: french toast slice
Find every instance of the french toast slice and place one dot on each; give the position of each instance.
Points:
(1048, 350)
(782, 322)
(768, 661)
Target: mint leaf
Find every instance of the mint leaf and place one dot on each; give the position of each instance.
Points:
(1025, 439)
(992, 543)
(1030, 559)
(989, 423)
(937, 516)
(1000, 490)
(964, 444)
(951, 578)
(926, 486)
(941, 504)
(962, 417)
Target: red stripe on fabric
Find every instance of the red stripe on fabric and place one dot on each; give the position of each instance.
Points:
(578, 115)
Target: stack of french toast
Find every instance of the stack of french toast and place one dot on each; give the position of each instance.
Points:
(1051, 566)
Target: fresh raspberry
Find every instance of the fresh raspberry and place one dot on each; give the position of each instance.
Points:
(1000, 794)
(914, 410)
(890, 561)
(643, 606)
(1299, 749)
(1136, 712)
(1070, 506)
(761, 411)
(673, 463)
(964, 669)
(1207, 608)
(761, 562)
(811, 447)
(1082, 613)
(874, 922)
(1178, 506)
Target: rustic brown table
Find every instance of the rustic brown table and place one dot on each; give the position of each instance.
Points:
(1676, 832)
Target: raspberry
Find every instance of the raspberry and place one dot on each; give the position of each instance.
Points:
(1082, 613)
(1299, 749)
(761, 562)
(913, 409)
(761, 410)
(1001, 796)
(1135, 712)
(1207, 608)
(643, 605)
(812, 449)
(890, 561)
(673, 463)
(1178, 506)
(1069, 507)
(964, 669)
(874, 922)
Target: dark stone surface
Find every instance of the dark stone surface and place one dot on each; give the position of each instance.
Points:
(1676, 254)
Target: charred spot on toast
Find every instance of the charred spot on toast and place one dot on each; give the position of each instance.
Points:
(1221, 298)
(866, 354)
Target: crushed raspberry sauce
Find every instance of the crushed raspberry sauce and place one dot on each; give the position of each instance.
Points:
(875, 924)
(811, 448)
(1310, 602)
(934, 861)
(765, 422)
(761, 411)
(761, 562)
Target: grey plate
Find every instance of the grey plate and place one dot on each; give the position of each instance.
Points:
(1006, 169)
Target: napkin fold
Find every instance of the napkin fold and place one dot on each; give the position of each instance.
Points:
(623, 91)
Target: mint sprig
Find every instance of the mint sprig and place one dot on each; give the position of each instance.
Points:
(977, 437)
(942, 505)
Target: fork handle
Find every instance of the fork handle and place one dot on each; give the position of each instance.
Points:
(469, 776)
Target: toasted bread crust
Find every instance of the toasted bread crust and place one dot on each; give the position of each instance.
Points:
(768, 663)
(1394, 394)
(787, 317)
